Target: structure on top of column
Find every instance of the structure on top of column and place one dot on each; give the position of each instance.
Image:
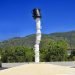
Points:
(36, 13)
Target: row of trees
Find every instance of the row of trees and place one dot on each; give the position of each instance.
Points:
(17, 54)
(50, 50)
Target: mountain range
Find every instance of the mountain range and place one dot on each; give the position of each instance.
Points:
(29, 40)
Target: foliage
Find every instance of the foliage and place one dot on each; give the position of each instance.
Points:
(72, 56)
(17, 54)
(53, 47)
(54, 51)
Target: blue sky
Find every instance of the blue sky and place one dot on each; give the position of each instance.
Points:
(16, 17)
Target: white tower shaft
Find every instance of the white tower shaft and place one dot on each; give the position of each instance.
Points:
(38, 39)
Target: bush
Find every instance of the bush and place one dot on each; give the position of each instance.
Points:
(17, 54)
(54, 51)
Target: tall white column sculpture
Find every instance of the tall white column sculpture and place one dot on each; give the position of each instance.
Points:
(37, 17)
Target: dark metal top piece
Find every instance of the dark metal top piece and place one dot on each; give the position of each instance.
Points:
(36, 13)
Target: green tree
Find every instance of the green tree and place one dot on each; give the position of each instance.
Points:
(54, 51)
(17, 54)
(45, 44)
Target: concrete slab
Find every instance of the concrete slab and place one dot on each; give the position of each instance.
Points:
(39, 69)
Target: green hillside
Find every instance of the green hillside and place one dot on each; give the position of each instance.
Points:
(29, 40)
